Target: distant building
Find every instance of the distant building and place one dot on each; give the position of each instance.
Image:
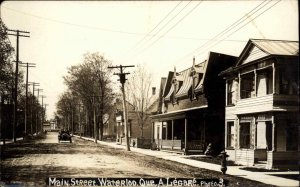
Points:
(114, 124)
(262, 105)
(47, 126)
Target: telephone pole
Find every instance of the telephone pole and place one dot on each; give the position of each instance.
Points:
(37, 111)
(122, 80)
(45, 111)
(42, 118)
(26, 94)
(32, 105)
(18, 34)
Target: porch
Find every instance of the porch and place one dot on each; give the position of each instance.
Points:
(193, 146)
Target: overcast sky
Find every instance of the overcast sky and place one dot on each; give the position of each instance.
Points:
(159, 34)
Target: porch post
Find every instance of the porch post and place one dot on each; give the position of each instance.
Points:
(274, 78)
(255, 82)
(273, 135)
(239, 92)
(185, 135)
(167, 131)
(172, 134)
(152, 132)
(160, 134)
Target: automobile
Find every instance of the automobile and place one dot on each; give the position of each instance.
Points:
(64, 136)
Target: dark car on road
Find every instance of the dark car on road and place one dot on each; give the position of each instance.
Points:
(64, 136)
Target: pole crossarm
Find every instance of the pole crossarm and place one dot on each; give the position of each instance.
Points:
(12, 30)
(18, 34)
(122, 80)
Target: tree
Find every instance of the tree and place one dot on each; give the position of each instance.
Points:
(7, 82)
(6, 65)
(139, 94)
(90, 81)
(66, 107)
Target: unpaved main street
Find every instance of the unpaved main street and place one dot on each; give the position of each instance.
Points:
(31, 163)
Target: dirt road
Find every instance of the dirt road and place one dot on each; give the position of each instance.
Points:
(31, 163)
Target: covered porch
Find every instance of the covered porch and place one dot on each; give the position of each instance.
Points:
(268, 140)
(182, 131)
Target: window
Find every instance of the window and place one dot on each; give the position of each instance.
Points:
(245, 135)
(288, 80)
(247, 86)
(230, 134)
(264, 82)
(230, 92)
(153, 90)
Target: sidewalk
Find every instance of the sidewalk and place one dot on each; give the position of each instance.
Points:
(10, 141)
(264, 177)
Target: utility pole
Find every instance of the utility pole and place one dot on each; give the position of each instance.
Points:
(18, 34)
(123, 79)
(37, 111)
(45, 108)
(42, 119)
(26, 94)
(32, 104)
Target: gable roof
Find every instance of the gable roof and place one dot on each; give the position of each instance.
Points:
(258, 48)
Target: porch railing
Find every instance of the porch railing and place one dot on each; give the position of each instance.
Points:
(168, 144)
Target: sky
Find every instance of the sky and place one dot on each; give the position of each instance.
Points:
(159, 34)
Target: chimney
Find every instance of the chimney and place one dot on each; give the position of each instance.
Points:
(153, 90)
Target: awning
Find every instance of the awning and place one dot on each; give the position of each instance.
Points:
(199, 87)
(178, 114)
(168, 97)
(187, 83)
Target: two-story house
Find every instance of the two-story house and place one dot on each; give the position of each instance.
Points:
(262, 105)
(192, 108)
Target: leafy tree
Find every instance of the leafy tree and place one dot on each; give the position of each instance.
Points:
(6, 65)
(90, 81)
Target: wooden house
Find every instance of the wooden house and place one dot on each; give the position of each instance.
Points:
(192, 108)
(262, 105)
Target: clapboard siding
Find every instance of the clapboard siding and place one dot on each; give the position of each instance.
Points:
(255, 104)
(245, 157)
(231, 154)
(231, 112)
(266, 103)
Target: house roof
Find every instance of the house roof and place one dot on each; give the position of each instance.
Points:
(258, 48)
(277, 47)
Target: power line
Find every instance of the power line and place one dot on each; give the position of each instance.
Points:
(74, 24)
(236, 23)
(167, 23)
(171, 28)
(148, 34)
(245, 24)
(100, 28)
(228, 29)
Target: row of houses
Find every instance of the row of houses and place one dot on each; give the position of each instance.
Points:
(247, 105)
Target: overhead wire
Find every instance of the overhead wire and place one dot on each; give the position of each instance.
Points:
(97, 28)
(150, 45)
(246, 23)
(161, 21)
(165, 25)
(226, 30)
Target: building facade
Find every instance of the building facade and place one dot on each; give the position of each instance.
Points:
(262, 105)
(192, 108)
